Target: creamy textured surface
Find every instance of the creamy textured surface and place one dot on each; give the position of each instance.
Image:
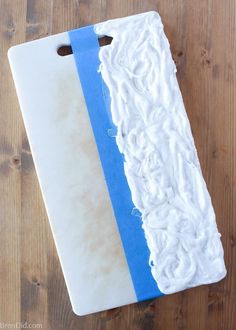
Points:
(161, 163)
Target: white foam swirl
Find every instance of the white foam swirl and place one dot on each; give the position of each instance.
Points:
(161, 163)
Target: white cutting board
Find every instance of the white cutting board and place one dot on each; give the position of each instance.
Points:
(66, 157)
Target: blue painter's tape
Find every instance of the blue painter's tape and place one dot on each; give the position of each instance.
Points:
(85, 48)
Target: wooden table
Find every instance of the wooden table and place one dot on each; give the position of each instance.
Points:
(203, 41)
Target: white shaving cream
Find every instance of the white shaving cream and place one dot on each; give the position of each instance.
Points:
(161, 163)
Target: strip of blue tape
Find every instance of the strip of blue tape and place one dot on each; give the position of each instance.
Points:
(85, 46)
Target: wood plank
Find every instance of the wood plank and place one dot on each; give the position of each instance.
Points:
(202, 38)
(12, 25)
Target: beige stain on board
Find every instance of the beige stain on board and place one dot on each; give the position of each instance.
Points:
(100, 236)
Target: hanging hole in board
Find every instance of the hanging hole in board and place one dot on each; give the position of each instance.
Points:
(104, 41)
(65, 50)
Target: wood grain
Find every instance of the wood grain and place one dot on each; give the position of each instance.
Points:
(202, 37)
